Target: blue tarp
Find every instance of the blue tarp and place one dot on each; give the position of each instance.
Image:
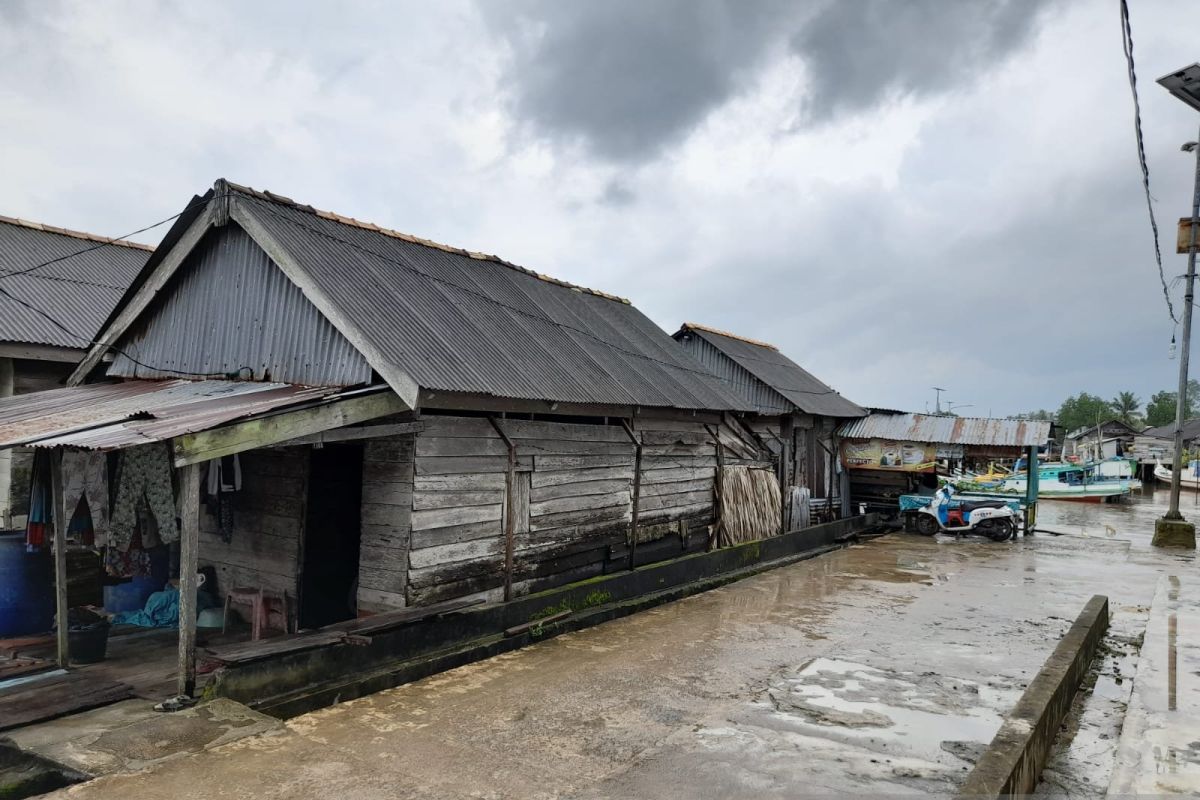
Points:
(161, 610)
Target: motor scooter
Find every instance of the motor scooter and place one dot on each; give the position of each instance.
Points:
(946, 514)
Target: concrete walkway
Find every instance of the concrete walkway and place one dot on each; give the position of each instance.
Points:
(881, 669)
(1159, 751)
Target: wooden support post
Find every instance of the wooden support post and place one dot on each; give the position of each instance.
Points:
(637, 489)
(189, 564)
(510, 488)
(58, 518)
(718, 527)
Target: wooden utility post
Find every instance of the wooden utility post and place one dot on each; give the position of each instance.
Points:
(189, 564)
(637, 490)
(60, 522)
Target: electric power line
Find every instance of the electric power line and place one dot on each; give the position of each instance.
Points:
(1127, 41)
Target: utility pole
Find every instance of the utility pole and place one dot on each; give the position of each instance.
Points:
(938, 402)
(1171, 530)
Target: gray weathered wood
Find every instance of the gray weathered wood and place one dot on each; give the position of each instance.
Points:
(675, 500)
(542, 477)
(472, 482)
(355, 434)
(546, 521)
(459, 446)
(457, 533)
(581, 462)
(674, 474)
(453, 465)
(580, 489)
(579, 503)
(189, 565)
(237, 437)
(59, 518)
(444, 517)
(461, 551)
(422, 501)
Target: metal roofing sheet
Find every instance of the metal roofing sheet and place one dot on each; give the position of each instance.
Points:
(943, 429)
(78, 291)
(116, 415)
(463, 323)
(780, 373)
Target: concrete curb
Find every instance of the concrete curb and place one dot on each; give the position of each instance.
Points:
(1013, 762)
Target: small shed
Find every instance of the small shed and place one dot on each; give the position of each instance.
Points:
(795, 411)
(889, 453)
(1098, 442)
(57, 286)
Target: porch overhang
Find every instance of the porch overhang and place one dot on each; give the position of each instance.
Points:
(202, 419)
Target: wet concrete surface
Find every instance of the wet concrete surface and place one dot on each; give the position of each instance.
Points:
(884, 668)
(130, 735)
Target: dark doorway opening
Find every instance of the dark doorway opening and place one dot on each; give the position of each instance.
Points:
(332, 533)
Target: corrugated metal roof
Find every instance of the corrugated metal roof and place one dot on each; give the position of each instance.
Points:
(234, 313)
(110, 416)
(79, 291)
(464, 322)
(780, 373)
(943, 429)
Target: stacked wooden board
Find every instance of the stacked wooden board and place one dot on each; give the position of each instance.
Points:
(437, 502)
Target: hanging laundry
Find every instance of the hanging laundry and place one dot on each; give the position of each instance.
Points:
(38, 525)
(224, 478)
(85, 478)
(144, 473)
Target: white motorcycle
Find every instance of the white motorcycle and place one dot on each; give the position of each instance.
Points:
(944, 514)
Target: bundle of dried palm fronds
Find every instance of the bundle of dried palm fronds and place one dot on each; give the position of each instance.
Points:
(750, 504)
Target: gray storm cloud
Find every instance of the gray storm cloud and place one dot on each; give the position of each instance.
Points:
(861, 52)
(628, 78)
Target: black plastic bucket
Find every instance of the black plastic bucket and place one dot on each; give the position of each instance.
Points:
(87, 644)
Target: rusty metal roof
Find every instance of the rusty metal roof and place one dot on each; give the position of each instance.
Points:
(111, 416)
(942, 429)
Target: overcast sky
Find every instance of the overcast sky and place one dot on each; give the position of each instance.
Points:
(898, 193)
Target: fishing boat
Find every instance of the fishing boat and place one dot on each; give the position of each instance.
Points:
(1189, 479)
(1056, 481)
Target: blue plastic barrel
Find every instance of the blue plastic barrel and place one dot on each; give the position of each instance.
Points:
(26, 587)
(131, 595)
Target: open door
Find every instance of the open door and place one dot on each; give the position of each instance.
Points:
(332, 532)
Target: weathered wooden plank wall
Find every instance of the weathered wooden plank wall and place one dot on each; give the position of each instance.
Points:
(434, 502)
(268, 518)
(387, 515)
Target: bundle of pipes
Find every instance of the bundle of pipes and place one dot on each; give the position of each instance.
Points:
(750, 504)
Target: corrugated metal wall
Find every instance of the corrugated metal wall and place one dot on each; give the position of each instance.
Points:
(231, 308)
(765, 399)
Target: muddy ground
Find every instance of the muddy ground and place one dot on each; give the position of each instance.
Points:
(880, 669)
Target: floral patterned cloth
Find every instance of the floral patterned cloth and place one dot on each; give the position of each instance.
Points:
(145, 472)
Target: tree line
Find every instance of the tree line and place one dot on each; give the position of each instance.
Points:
(1084, 410)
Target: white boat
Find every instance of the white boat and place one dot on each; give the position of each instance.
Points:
(1190, 479)
(1079, 483)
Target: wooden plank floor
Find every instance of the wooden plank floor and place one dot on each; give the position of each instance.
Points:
(140, 662)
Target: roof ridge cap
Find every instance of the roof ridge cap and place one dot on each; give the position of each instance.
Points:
(90, 237)
(333, 216)
(698, 327)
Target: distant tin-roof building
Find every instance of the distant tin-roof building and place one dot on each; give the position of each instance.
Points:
(799, 412)
(890, 453)
(57, 287)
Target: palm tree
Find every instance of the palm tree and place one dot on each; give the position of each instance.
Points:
(1126, 405)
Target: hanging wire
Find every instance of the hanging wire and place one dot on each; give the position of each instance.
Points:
(1127, 40)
